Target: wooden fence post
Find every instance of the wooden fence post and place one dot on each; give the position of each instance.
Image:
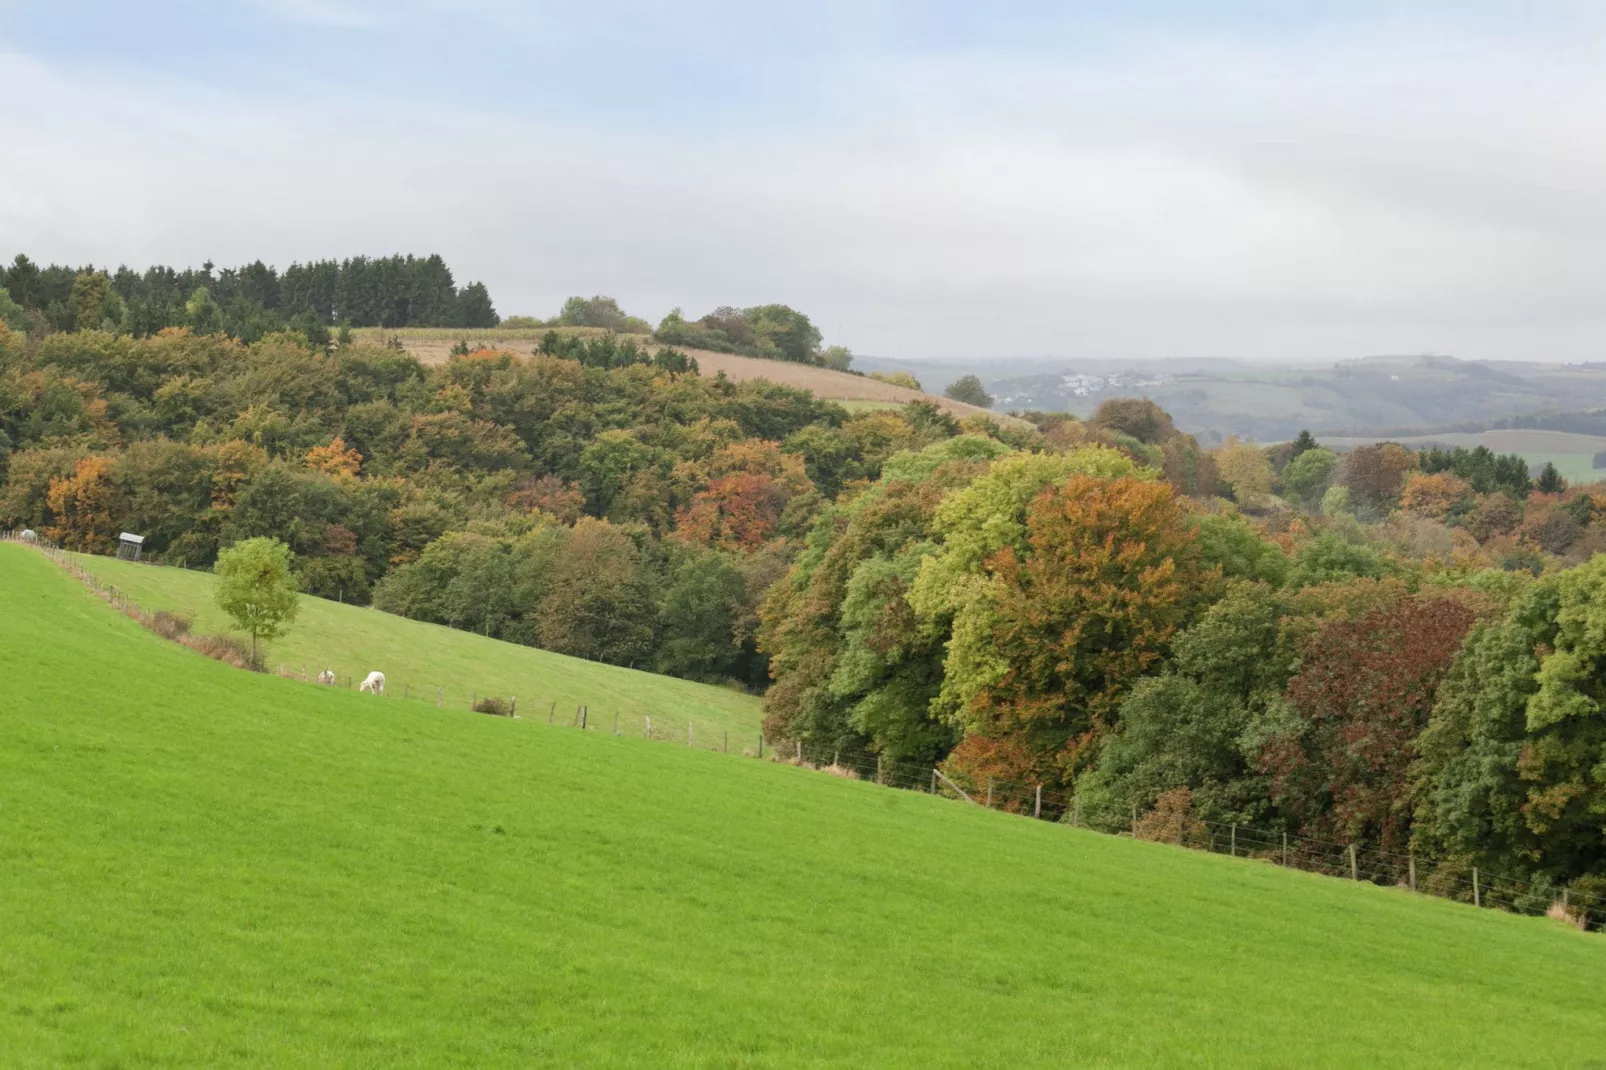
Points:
(1235, 839)
(1134, 821)
(1412, 876)
(934, 781)
(646, 724)
(1285, 850)
(989, 793)
(1037, 807)
(513, 705)
(1477, 895)
(761, 744)
(585, 715)
(1354, 872)
(552, 709)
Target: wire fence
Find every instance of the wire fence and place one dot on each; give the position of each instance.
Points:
(1448, 878)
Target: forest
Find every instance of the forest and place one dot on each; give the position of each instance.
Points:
(1388, 647)
(245, 302)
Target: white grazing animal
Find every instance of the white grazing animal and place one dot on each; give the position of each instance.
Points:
(327, 677)
(375, 683)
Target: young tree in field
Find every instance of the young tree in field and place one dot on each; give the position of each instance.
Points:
(968, 389)
(257, 589)
(1550, 481)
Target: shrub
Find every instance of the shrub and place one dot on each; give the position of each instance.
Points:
(169, 625)
(225, 649)
(494, 706)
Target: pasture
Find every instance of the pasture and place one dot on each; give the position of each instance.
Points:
(1572, 454)
(204, 866)
(417, 658)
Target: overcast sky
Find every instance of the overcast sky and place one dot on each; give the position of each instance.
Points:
(1130, 178)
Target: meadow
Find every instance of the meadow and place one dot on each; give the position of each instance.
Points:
(206, 866)
(417, 658)
(1572, 454)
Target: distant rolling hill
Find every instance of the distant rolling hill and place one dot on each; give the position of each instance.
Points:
(434, 345)
(1268, 402)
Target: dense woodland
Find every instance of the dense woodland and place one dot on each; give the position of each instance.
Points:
(245, 302)
(1387, 647)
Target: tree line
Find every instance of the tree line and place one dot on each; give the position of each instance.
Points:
(247, 302)
(1382, 646)
(1388, 648)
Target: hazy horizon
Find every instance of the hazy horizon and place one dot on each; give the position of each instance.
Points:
(1139, 181)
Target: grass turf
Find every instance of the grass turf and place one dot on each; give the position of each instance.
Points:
(417, 658)
(202, 866)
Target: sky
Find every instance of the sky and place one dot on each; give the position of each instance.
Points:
(1105, 179)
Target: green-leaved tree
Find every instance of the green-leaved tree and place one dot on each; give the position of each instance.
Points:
(257, 589)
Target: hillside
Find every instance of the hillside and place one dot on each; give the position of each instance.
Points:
(1572, 454)
(433, 346)
(417, 658)
(208, 866)
(1270, 402)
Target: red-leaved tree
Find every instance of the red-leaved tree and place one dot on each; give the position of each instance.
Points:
(1361, 696)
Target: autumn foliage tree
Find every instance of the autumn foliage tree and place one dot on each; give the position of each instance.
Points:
(1089, 608)
(82, 507)
(1340, 768)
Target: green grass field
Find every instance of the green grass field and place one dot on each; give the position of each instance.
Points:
(417, 658)
(1572, 454)
(201, 866)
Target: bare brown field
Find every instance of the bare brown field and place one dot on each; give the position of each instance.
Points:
(434, 345)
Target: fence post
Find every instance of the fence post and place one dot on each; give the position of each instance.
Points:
(1413, 870)
(688, 733)
(934, 781)
(1037, 807)
(727, 741)
(646, 722)
(989, 793)
(1354, 872)
(585, 714)
(513, 705)
(1477, 896)
(761, 744)
(473, 699)
(1285, 850)
(1235, 839)
(1134, 821)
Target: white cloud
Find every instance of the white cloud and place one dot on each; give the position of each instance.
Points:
(1399, 189)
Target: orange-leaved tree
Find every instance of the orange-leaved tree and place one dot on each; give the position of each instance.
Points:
(1106, 582)
(82, 507)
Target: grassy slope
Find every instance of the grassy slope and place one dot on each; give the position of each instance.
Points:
(417, 658)
(205, 866)
(1572, 454)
